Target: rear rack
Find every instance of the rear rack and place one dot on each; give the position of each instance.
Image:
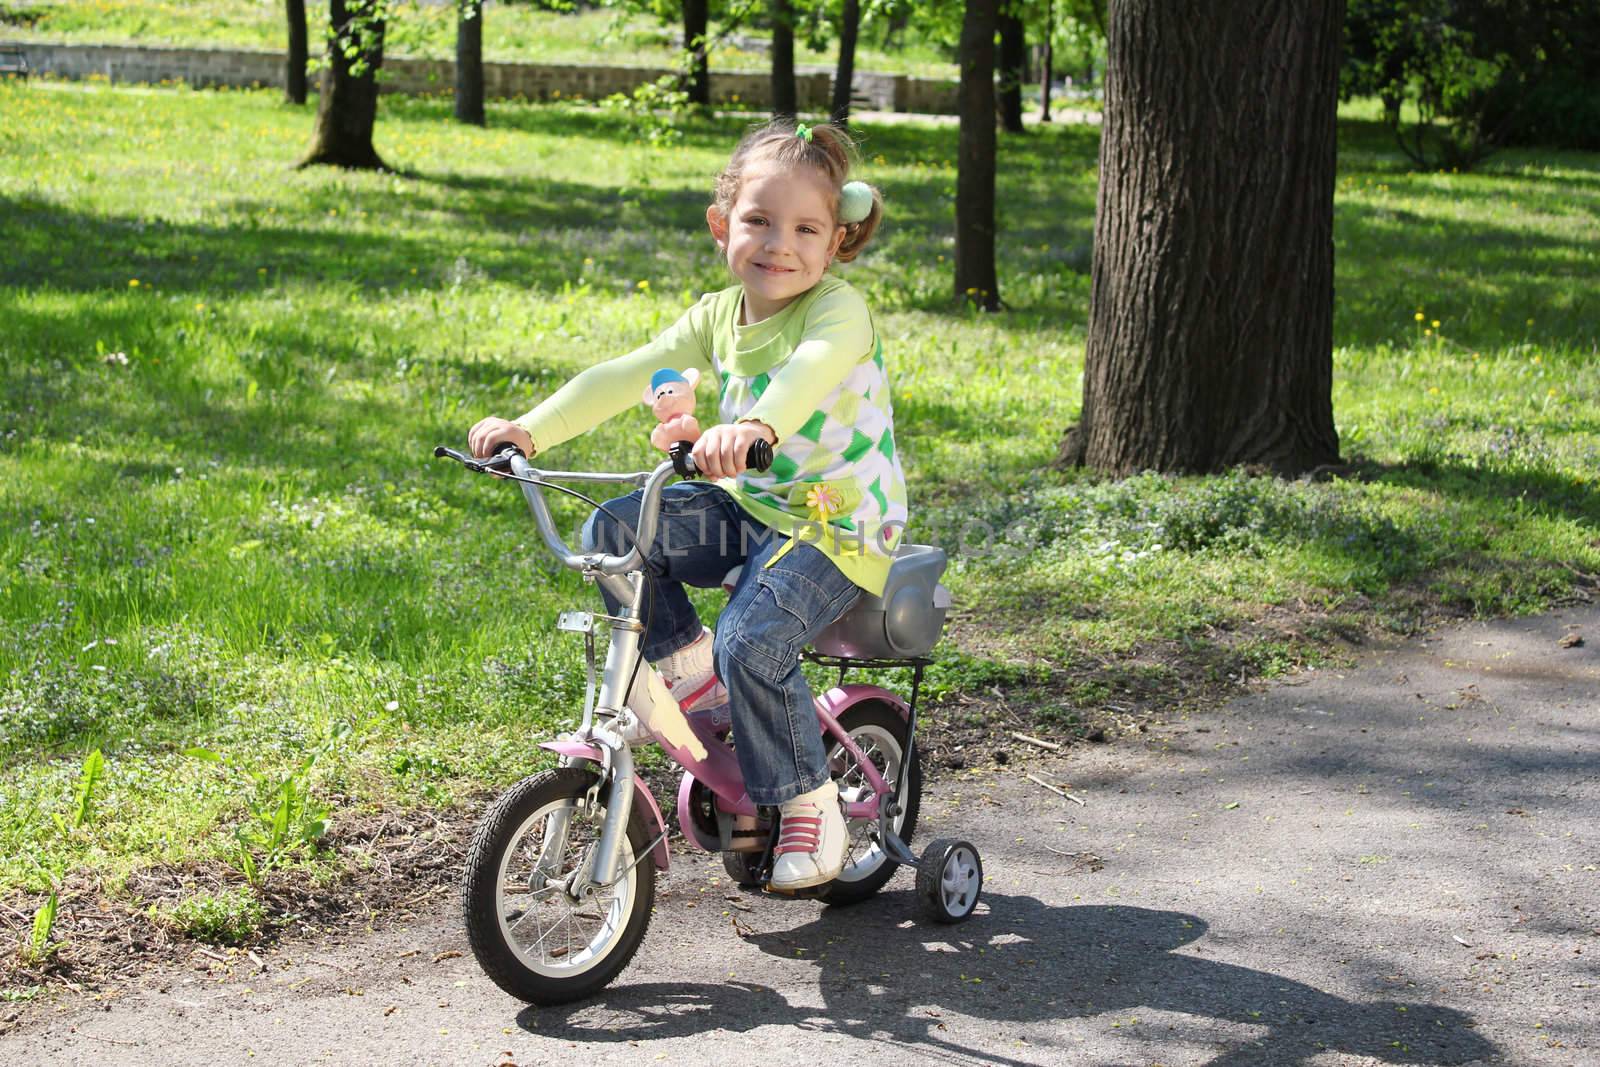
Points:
(843, 664)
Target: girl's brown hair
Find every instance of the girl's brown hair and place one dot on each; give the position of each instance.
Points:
(829, 150)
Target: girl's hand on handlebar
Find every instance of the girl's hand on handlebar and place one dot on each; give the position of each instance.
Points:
(490, 433)
(721, 450)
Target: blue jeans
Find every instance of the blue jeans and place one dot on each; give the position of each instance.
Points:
(774, 612)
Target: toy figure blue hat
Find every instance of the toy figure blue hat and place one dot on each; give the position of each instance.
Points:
(663, 376)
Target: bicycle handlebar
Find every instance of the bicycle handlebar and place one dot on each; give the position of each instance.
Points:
(510, 462)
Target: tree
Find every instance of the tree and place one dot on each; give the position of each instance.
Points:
(294, 74)
(696, 23)
(1047, 60)
(1477, 76)
(347, 107)
(785, 100)
(1013, 67)
(975, 163)
(844, 76)
(1211, 305)
(469, 62)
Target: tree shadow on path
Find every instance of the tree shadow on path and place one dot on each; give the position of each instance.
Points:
(1026, 963)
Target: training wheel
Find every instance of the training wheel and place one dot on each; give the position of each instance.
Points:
(949, 879)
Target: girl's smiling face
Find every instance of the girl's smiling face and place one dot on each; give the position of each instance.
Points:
(779, 237)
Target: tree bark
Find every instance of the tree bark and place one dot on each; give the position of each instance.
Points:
(469, 62)
(1013, 69)
(696, 22)
(1211, 309)
(1047, 61)
(975, 269)
(844, 77)
(347, 106)
(294, 73)
(785, 100)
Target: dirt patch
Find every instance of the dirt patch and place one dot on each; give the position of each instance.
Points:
(388, 864)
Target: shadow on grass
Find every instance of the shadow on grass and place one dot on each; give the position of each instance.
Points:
(1539, 490)
(1024, 962)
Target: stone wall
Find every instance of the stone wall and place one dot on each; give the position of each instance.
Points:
(243, 68)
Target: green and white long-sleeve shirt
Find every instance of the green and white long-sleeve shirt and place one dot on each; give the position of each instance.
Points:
(813, 372)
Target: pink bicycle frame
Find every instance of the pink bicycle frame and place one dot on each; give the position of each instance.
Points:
(719, 771)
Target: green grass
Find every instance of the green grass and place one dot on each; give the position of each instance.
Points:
(220, 380)
(512, 33)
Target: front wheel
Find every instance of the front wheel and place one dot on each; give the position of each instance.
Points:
(529, 935)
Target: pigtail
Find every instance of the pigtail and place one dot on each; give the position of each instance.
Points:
(857, 234)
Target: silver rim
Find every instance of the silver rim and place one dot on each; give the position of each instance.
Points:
(882, 748)
(958, 881)
(549, 932)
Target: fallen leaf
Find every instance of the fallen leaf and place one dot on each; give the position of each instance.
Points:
(450, 955)
(1571, 641)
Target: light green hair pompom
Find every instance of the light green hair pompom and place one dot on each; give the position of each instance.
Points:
(855, 202)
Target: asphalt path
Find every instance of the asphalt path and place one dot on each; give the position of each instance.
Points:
(1389, 864)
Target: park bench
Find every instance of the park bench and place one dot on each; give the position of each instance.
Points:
(13, 62)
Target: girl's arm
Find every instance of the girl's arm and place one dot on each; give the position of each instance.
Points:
(838, 336)
(606, 389)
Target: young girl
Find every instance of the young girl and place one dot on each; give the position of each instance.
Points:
(800, 366)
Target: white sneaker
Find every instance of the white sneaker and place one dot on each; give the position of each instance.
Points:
(691, 676)
(812, 839)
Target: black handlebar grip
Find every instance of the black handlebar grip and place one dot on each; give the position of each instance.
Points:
(759, 458)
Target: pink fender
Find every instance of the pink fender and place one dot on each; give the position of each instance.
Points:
(841, 698)
(653, 823)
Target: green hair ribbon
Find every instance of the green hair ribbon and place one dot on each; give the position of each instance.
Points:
(803, 132)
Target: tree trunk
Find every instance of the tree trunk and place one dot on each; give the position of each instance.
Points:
(785, 101)
(1047, 61)
(975, 276)
(294, 73)
(844, 78)
(1013, 69)
(469, 62)
(696, 21)
(1211, 309)
(347, 107)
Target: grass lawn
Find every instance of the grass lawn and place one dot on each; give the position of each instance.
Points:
(512, 33)
(220, 380)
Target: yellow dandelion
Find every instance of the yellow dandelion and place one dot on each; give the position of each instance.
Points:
(1427, 333)
(1530, 322)
(972, 291)
(133, 283)
(1435, 324)
(199, 307)
(643, 285)
(1420, 316)
(587, 262)
(1551, 393)
(1433, 390)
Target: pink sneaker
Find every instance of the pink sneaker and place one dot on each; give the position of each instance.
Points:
(812, 841)
(690, 675)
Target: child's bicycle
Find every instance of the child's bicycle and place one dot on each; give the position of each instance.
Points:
(558, 890)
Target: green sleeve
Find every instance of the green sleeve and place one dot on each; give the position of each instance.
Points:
(610, 388)
(837, 336)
